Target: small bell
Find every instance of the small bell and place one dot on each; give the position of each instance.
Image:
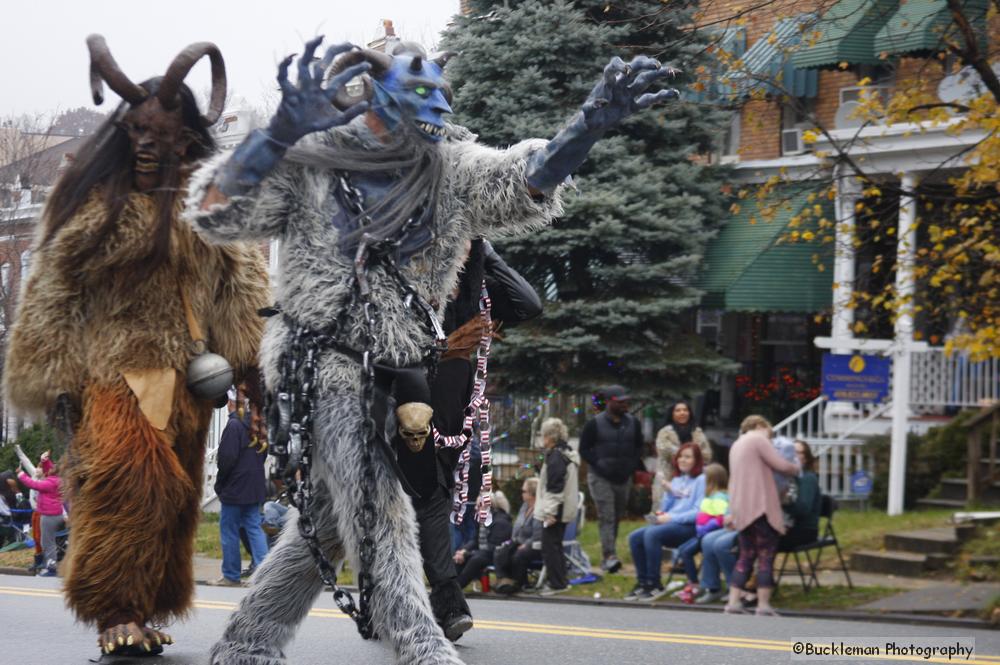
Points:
(209, 376)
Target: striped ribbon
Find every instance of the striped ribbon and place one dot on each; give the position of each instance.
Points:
(477, 416)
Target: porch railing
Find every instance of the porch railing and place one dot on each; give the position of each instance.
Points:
(945, 380)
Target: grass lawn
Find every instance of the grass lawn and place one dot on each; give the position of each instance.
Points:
(17, 558)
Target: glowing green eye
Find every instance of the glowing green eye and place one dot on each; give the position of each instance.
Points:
(422, 90)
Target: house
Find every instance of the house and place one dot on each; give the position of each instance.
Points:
(775, 304)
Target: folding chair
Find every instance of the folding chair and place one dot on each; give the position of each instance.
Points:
(807, 575)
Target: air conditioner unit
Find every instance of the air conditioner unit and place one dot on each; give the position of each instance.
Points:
(791, 141)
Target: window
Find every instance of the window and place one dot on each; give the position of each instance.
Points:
(796, 116)
(25, 262)
(731, 141)
(5, 276)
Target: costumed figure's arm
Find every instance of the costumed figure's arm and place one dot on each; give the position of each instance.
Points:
(620, 93)
(513, 299)
(45, 352)
(236, 326)
(245, 195)
(517, 189)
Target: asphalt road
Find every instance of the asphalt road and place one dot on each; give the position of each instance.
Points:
(36, 629)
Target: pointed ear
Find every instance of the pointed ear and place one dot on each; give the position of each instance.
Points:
(441, 59)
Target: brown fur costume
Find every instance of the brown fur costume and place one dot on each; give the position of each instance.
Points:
(134, 489)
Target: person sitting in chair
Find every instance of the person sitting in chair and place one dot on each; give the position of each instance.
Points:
(472, 558)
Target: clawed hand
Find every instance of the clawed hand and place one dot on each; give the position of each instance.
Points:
(622, 91)
(307, 106)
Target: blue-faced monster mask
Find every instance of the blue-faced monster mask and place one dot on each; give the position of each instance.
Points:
(405, 87)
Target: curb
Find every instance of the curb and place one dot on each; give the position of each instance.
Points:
(838, 615)
(7, 570)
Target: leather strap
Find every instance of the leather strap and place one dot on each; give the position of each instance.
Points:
(193, 327)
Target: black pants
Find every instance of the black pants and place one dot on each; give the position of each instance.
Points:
(446, 598)
(473, 566)
(795, 537)
(513, 562)
(552, 555)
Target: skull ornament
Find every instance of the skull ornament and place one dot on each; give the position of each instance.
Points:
(414, 420)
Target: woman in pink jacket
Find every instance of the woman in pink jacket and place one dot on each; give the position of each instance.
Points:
(756, 510)
(50, 507)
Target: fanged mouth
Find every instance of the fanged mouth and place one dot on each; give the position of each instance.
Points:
(146, 163)
(428, 128)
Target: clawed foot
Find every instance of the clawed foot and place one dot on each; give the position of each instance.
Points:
(131, 639)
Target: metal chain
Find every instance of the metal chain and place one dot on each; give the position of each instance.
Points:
(292, 407)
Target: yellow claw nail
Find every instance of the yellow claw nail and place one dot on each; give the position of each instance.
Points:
(145, 645)
(110, 646)
(130, 641)
(121, 640)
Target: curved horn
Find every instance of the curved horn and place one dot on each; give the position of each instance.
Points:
(417, 64)
(380, 63)
(103, 66)
(441, 59)
(179, 68)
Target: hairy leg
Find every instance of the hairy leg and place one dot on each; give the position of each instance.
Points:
(130, 485)
(399, 603)
(283, 589)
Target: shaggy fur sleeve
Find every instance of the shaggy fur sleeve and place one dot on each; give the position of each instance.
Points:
(492, 186)
(45, 354)
(236, 327)
(257, 216)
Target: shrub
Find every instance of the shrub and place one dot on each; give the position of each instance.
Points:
(939, 453)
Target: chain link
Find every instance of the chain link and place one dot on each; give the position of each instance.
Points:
(291, 407)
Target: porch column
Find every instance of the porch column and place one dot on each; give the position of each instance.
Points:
(848, 195)
(906, 249)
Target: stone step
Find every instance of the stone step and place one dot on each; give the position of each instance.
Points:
(889, 562)
(941, 503)
(957, 489)
(924, 541)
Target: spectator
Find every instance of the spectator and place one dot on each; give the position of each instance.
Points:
(711, 513)
(756, 510)
(671, 526)
(679, 430)
(612, 444)
(525, 547)
(50, 509)
(802, 511)
(241, 486)
(8, 500)
(558, 490)
(472, 558)
(717, 557)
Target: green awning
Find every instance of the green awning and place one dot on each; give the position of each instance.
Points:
(846, 33)
(768, 64)
(753, 266)
(924, 26)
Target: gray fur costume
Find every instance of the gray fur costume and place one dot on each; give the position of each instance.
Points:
(483, 193)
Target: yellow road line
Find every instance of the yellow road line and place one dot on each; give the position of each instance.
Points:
(782, 646)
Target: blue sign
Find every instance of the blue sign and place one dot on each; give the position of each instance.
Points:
(856, 378)
(861, 483)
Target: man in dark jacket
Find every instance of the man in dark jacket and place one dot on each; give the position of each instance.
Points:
(241, 488)
(612, 444)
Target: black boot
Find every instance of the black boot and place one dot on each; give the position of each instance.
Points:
(38, 565)
(451, 610)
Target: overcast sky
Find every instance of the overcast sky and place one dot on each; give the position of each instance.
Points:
(44, 61)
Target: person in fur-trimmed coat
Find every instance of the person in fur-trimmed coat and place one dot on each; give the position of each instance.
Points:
(420, 189)
(102, 340)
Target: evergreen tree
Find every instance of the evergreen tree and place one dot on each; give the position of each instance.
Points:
(616, 272)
